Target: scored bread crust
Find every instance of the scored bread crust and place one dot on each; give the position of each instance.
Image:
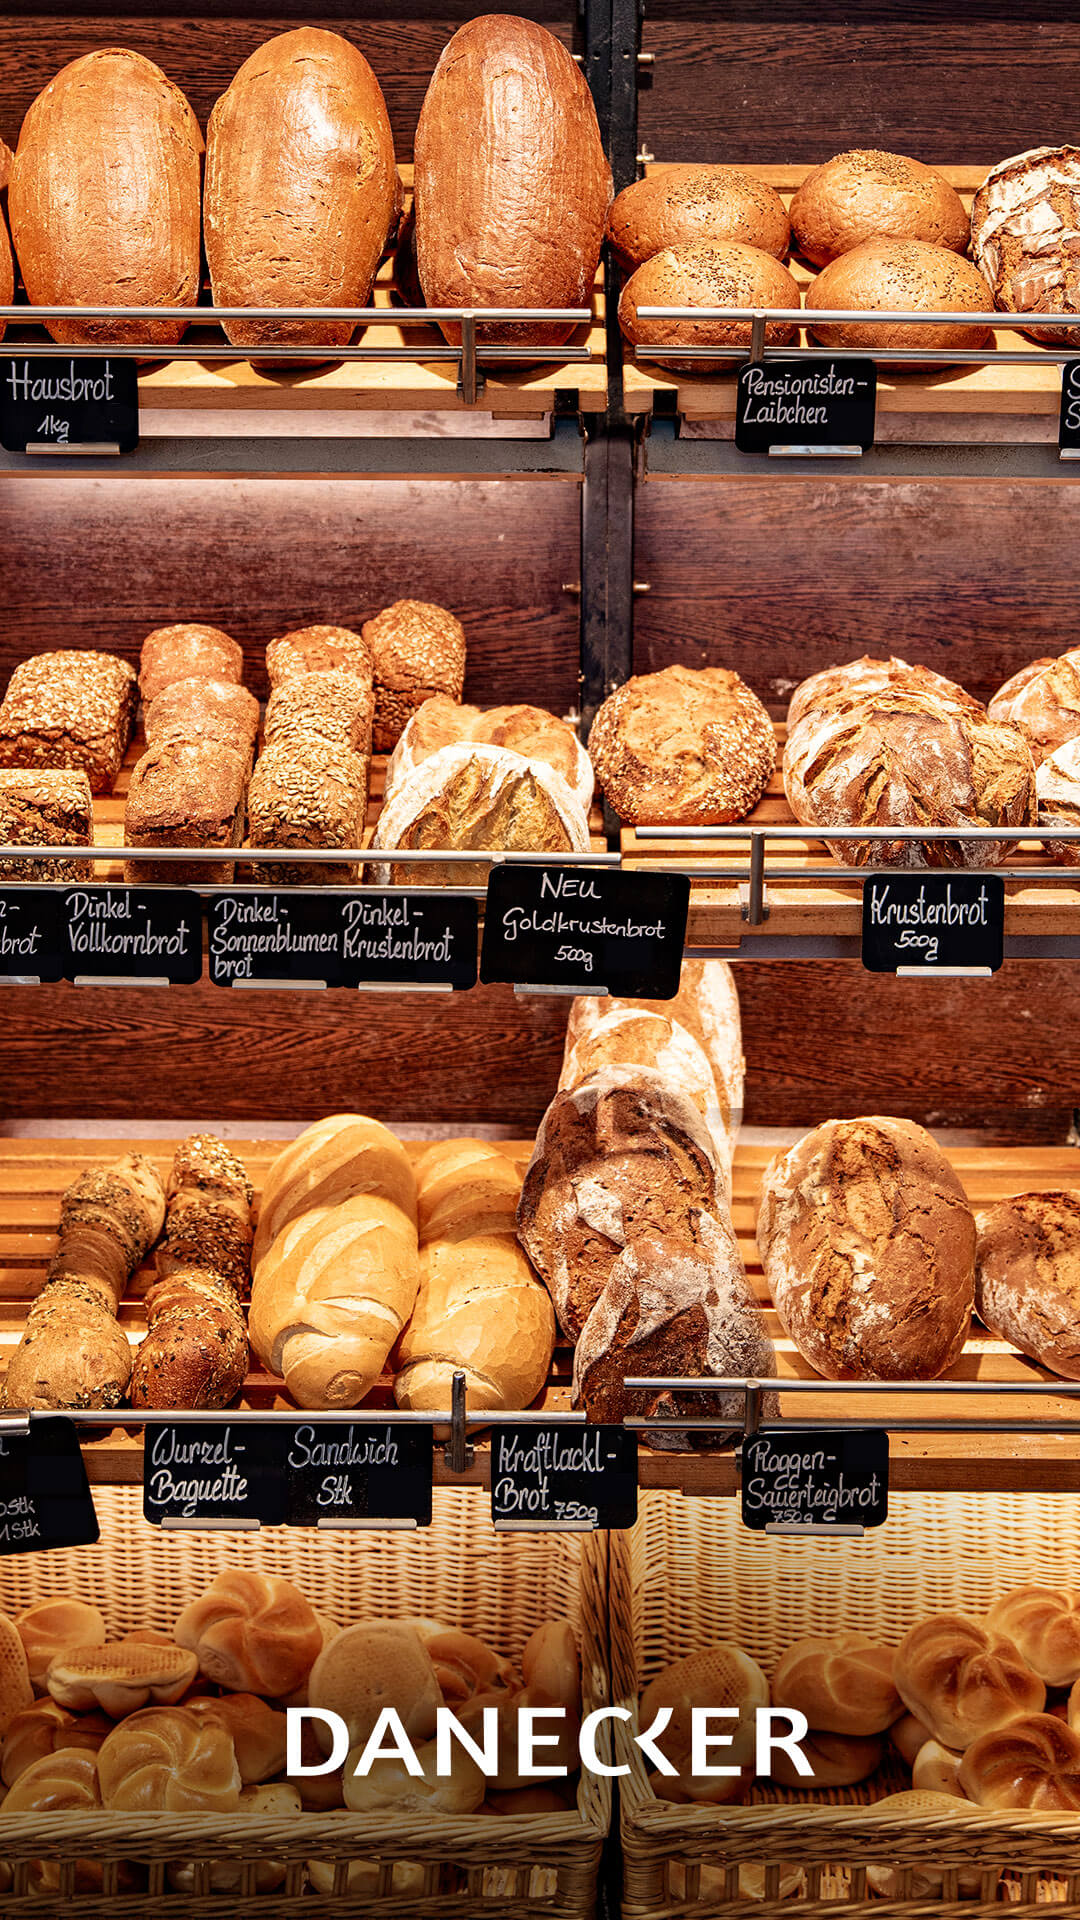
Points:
(1043, 700)
(1025, 229)
(707, 273)
(486, 798)
(683, 203)
(963, 1678)
(539, 735)
(1057, 792)
(686, 746)
(865, 194)
(845, 686)
(1027, 1276)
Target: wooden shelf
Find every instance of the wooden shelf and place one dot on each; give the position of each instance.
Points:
(34, 1173)
(1000, 390)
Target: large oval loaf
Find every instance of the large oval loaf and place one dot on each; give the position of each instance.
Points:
(512, 185)
(301, 187)
(104, 197)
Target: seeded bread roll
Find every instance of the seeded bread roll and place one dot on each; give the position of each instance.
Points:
(684, 747)
(845, 686)
(868, 195)
(49, 807)
(307, 796)
(204, 709)
(707, 273)
(73, 708)
(868, 1245)
(1027, 1276)
(187, 651)
(195, 1350)
(682, 203)
(185, 793)
(318, 650)
(208, 1214)
(1043, 700)
(910, 276)
(1057, 795)
(531, 731)
(1025, 224)
(485, 798)
(417, 650)
(334, 706)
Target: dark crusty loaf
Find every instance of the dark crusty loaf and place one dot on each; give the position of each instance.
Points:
(512, 185)
(195, 1351)
(707, 273)
(1027, 1276)
(186, 793)
(104, 197)
(1025, 227)
(1043, 700)
(205, 709)
(681, 203)
(49, 807)
(686, 746)
(845, 686)
(909, 276)
(208, 1212)
(301, 189)
(1057, 793)
(72, 708)
(864, 195)
(868, 1245)
(417, 650)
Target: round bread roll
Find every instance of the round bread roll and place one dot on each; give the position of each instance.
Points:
(867, 195)
(1057, 796)
(1043, 700)
(1032, 1762)
(846, 686)
(49, 1627)
(707, 273)
(257, 1731)
(1044, 1623)
(907, 276)
(908, 1736)
(964, 1679)
(530, 731)
(718, 1676)
(373, 1665)
(868, 1245)
(251, 1633)
(925, 1883)
(843, 1684)
(169, 1760)
(47, 1728)
(387, 1788)
(838, 1760)
(464, 1665)
(60, 1782)
(1025, 222)
(684, 203)
(936, 1769)
(120, 1677)
(481, 797)
(1027, 1277)
(683, 747)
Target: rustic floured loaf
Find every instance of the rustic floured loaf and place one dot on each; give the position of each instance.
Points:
(1027, 1276)
(868, 1245)
(864, 195)
(204, 709)
(512, 185)
(46, 807)
(73, 708)
(417, 651)
(684, 747)
(1025, 230)
(909, 276)
(1043, 700)
(442, 722)
(485, 798)
(845, 686)
(1057, 792)
(104, 197)
(301, 189)
(682, 203)
(707, 273)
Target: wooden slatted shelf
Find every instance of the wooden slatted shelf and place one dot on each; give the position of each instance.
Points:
(34, 1173)
(1000, 390)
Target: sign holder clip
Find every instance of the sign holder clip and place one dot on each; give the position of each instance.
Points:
(457, 1453)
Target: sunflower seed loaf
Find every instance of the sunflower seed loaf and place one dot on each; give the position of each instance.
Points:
(71, 708)
(417, 650)
(47, 808)
(306, 796)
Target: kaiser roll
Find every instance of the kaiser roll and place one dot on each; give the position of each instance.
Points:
(937, 1770)
(371, 1666)
(843, 1684)
(252, 1633)
(168, 1760)
(716, 1677)
(707, 273)
(964, 1679)
(1032, 1762)
(49, 1627)
(909, 276)
(683, 203)
(867, 195)
(1044, 1623)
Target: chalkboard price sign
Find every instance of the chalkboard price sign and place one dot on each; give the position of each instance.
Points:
(78, 404)
(33, 938)
(817, 1478)
(1069, 417)
(45, 1499)
(563, 1479)
(214, 1473)
(359, 1474)
(805, 403)
(306, 937)
(586, 929)
(141, 933)
(933, 923)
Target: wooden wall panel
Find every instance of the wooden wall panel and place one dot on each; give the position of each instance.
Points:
(770, 80)
(99, 562)
(777, 578)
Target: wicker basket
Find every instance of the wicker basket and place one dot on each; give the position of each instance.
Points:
(499, 1586)
(690, 1574)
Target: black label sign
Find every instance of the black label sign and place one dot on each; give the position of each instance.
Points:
(420, 937)
(358, 1473)
(45, 1498)
(145, 933)
(58, 403)
(820, 1477)
(214, 1472)
(573, 1479)
(33, 939)
(933, 922)
(586, 929)
(1069, 417)
(805, 403)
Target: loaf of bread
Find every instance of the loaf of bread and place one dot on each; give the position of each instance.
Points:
(185, 793)
(251, 1633)
(43, 1729)
(195, 1350)
(963, 1679)
(1057, 798)
(46, 807)
(707, 273)
(332, 707)
(480, 1307)
(7, 263)
(72, 708)
(443, 722)
(204, 709)
(1043, 700)
(301, 190)
(306, 795)
(1025, 222)
(208, 1212)
(1027, 1276)
(167, 1760)
(512, 186)
(329, 1162)
(104, 197)
(1032, 1762)
(843, 1684)
(858, 680)
(868, 1245)
(466, 797)
(868, 195)
(714, 1678)
(1044, 1623)
(188, 650)
(417, 651)
(683, 747)
(318, 650)
(909, 276)
(48, 1627)
(681, 203)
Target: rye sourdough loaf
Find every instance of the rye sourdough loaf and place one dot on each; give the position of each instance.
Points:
(707, 273)
(442, 722)
(1043, 700)
(684, 747)
(301, 188)
(104, 197)
(1057, 793)
(1025, 232)
(868, 1245)
(909, 276)
(512, 185)
(845, 686)
(696, 203)
(1027, 1276)
(865, 195)
(479, 797)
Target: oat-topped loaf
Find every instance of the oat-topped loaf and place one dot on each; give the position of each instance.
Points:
(334, 706)
(307, 797)
(186, 793)
(685, 747)
(199, 708)
(1025, 235)
(50, 808)
(418, 650)
(72, 708)
(539, 735)
(318, 650)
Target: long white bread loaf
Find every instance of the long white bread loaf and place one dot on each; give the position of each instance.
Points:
(338, 1157)
(480, 1307)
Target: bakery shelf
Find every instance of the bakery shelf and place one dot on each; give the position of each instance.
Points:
(34, 1173)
